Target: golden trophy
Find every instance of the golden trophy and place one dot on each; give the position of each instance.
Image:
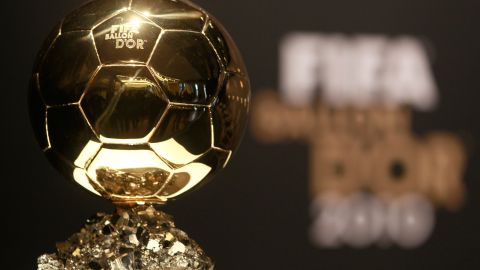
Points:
(138, 101)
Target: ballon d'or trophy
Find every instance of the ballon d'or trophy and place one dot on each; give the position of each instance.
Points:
(140, 102)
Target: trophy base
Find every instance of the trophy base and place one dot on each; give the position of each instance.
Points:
(138, 238)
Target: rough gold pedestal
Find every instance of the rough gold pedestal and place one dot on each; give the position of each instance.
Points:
(136, 238)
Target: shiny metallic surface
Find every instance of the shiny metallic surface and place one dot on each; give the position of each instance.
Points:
(140, 237)
(139, 101)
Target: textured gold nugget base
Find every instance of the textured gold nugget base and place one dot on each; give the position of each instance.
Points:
(136, 238)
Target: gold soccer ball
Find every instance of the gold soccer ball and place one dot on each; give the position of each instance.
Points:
(139, 101)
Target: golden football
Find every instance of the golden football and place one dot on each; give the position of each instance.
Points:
(139, 101)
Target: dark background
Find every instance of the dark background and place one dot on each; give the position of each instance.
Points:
(255, 215)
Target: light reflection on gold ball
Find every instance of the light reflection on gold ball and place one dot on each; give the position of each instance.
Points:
(139, 101)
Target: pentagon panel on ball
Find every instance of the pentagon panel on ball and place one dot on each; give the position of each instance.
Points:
(226, 49)
(124, 104)
(63, 75)
(139, 101)
(187, 65)
(184, 135)
(126, 38)
(230, 111)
